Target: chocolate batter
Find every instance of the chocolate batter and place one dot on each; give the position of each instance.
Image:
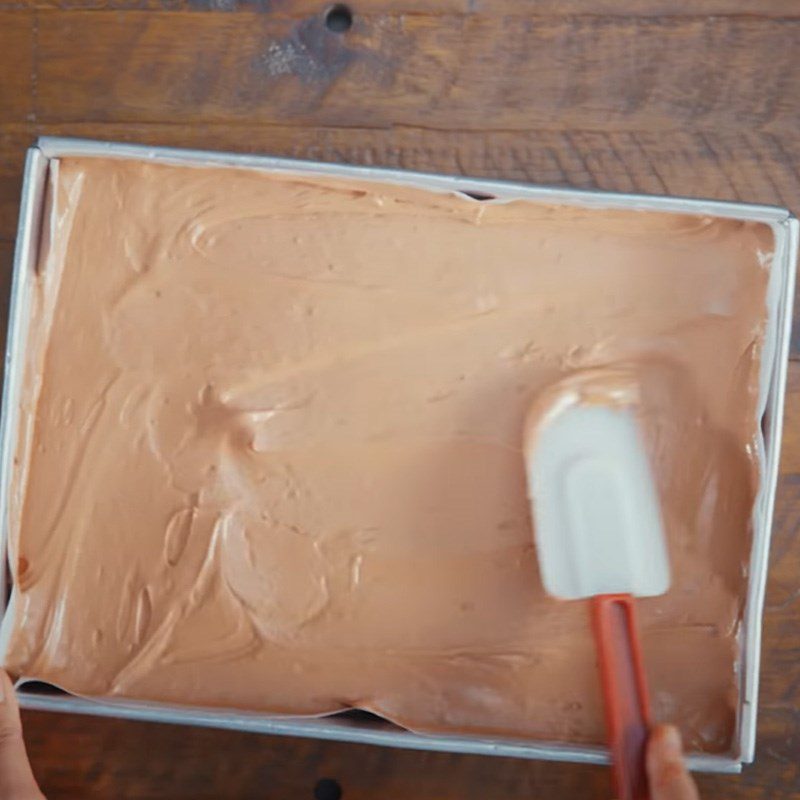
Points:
(271, 450)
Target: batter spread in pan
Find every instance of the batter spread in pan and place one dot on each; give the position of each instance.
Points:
(270, 451)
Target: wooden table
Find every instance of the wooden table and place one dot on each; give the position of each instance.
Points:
(694, 98)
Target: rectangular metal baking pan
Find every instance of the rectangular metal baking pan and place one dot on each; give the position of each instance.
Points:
(359, 727)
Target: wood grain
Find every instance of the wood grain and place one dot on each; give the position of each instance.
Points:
(524, 8)
(482, 73)
(140, 760)
(13, 142)
(694, 98)
(16, 56)
(728, 166)
(6, 259)
(790, 450)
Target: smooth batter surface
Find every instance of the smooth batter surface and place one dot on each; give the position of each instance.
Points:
(271, 446)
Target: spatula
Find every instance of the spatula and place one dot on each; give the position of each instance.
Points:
(599, 535)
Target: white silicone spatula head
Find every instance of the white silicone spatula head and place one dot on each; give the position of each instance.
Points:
(596, 512)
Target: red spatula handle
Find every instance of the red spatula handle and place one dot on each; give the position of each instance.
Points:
(627, 704)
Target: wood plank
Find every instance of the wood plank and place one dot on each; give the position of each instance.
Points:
(112, 753)
(526, 8)
(98, 758)
(779, 723)
(6, 263)
(16, 81)
(13, 143)
(731, 166)
(453, 72)
(790, 448)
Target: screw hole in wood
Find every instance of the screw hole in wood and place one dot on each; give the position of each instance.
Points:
(327, 789)
(339, 18)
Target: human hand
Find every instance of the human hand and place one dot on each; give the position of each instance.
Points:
(16, 777)
(666, 769)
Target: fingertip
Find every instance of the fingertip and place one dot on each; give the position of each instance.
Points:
(16, 776)
(666, 768)
(666, 741)
(9, 707)
(6, 686)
